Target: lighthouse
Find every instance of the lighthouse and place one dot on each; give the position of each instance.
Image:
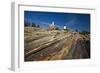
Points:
(65, 27)
(53, 24)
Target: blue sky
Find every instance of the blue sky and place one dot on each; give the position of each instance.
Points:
(72, 21)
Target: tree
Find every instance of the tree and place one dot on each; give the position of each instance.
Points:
(76, 30)
(57, 28)
(26, 23)
(85, 32)
(33, 25)
(38, 26)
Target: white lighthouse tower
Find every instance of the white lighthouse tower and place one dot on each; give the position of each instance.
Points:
(65, 27)
(53, 24)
